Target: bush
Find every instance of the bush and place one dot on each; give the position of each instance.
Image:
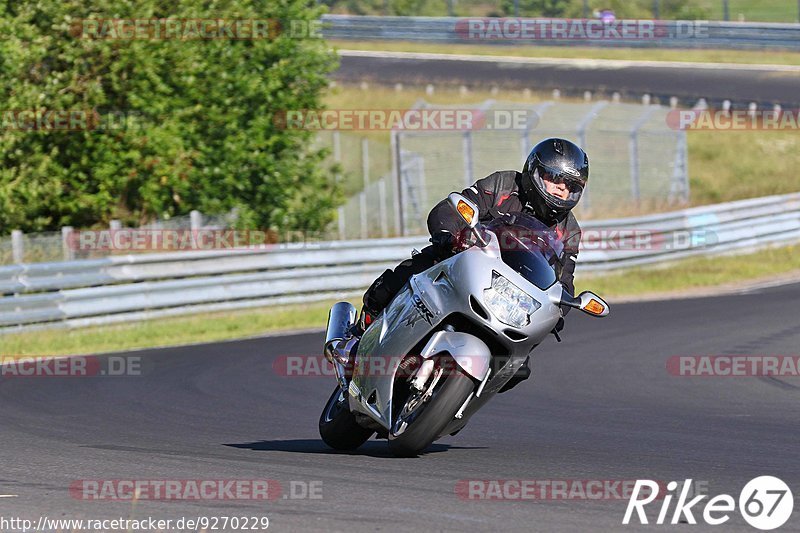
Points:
(194, 120)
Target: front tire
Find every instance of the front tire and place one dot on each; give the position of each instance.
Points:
(337, 425)
(427, 420)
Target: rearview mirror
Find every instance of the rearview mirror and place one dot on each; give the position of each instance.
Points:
(592, 304)
(587, 301)
(466, 209)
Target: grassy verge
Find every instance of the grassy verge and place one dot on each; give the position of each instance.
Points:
(205, 327)
(641, 54)
(680, 276)
(703, 272)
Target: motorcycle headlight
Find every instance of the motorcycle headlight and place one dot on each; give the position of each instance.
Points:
(510, 304)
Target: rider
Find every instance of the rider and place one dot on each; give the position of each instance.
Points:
(549, 187)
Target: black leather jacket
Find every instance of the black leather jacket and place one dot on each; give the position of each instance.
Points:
(501, 193)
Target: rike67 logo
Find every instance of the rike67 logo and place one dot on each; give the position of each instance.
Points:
(765, 503)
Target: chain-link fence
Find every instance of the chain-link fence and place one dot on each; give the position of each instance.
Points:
(49, 246)
(367, 180)
(637, 161)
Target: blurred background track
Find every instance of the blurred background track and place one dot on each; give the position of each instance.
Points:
(741, 84)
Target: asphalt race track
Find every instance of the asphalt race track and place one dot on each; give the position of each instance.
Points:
(600, 406)
(742, 85)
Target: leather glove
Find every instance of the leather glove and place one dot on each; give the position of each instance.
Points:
(443, 240)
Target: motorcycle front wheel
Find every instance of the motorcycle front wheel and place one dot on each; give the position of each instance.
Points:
(423, 415)
(337, 425)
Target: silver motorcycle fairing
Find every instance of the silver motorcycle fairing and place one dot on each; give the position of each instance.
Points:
(444, 289)
(470, 353)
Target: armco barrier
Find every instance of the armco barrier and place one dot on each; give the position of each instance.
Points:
(670, 34)
(131, 287)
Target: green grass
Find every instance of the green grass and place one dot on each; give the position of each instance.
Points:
(208, 327)
(731, 165)
(640, 54)
(694, 273)
(753, 10)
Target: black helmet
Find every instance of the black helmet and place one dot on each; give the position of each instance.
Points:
(559, 161)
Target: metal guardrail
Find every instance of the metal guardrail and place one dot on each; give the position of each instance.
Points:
(132, 287)
(670, 34)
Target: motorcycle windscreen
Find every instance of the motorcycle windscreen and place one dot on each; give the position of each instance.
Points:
(531, 265)
(528, 246)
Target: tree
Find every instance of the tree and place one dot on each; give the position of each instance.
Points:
(174, 124)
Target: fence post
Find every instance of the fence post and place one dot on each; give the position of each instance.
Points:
(365, 176)
(383, 209)
(397, 163)
(195, 220)
(582, 127)
(17, 246)
(337, 147)
(342, 235)
(726, 13)
(467, 151)
(337, 152)
(365, 161)
(362, 201)
(66, 243)
(633, 145)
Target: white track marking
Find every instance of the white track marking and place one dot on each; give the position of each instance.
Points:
(587, 64)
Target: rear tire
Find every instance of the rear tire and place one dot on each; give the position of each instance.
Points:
(434, 415)
(337, 425)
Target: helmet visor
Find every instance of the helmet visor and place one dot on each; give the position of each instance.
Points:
(547, 179)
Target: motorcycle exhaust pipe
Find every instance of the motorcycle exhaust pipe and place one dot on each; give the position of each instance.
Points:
(341, 318)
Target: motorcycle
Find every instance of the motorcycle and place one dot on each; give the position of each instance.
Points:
(450, 340)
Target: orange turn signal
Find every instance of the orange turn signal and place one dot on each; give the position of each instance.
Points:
(594, 307)
(466, 212)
